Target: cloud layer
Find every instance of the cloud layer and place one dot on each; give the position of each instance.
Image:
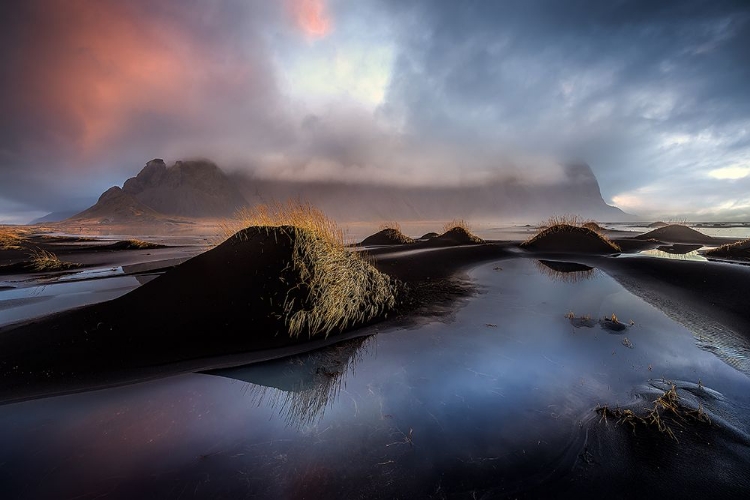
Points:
(653, 95)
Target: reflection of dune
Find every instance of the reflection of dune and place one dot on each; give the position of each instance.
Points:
(301, 387)
(566, 272)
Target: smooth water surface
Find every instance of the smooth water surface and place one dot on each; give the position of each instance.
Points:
(495, 400)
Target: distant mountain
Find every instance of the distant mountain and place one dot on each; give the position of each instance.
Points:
(117, 206)
(196, 188)
(510, 199)
(54, 217)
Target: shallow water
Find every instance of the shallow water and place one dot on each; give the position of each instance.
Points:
(25, 302)
(495, 400)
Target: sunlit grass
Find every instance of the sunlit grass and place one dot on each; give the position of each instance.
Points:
(461, 227)
(11, 238)
(737, 250)
(42, 260)
(344, 288)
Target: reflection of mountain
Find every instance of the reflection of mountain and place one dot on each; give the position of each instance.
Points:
(566, 272)
(301, 387)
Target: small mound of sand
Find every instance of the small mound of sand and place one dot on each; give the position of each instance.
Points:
(676, 233)
(657, 224)
(567, 238)
(132, 245)
(388, 236)
(739, 250)
(429, 236)
(458, 236)
(593, 226)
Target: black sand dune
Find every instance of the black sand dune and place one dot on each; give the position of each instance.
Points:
(567, 238)
(429, 236)
(456, 236)
(677, 233)
(236, 297)
(388, 236)
(733, 251)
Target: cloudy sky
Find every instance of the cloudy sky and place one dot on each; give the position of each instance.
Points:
(655, 96)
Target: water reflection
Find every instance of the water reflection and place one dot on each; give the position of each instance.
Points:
(301, 387)
(565, 272)
(691, 255)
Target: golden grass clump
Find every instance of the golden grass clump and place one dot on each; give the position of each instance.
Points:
(42, 260)
(343, 288)
(140, 244)
(292, 213)
(457, 223)
(667, 412)
(11, 238)
(391, 224)
(737, 250)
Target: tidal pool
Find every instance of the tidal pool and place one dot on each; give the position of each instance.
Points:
(496, 400)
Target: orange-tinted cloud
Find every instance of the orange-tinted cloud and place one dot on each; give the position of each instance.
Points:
(89, 71)
(312, 17)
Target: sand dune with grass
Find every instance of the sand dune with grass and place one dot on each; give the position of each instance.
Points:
(739, 250)
(388, 234)
(569, 234)
(677, 233)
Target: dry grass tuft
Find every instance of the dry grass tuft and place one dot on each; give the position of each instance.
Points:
(342, 287)
(297, 214)
(457, 223)
(42, 260)
(737, 250)
(390, 225)
(11, 238)
(141, 244)
(666, 413)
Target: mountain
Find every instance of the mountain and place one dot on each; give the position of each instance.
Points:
(117, 206)
(54, 217)
(504, 199)
(196, 188)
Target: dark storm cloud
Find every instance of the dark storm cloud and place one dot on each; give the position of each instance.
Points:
(92, 89)
(598, 80)
(653, 95)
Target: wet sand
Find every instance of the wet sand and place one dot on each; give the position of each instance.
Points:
(707, 294)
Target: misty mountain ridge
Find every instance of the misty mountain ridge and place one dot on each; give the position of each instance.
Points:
(200, 189)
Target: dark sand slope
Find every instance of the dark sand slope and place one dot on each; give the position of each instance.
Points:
(733, 251)
(573, 239)
(243, 295)
(388, 236)
(677, 233)
(709, 298)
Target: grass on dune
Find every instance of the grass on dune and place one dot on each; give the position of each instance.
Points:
(457, 223)
(463, 228)
(739, 250)
(42, 260)
(11, 238)
(344, 289)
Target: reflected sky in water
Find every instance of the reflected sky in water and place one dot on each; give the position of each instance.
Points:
(496, 399)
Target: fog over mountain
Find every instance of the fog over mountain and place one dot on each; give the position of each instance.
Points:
(200, 189)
